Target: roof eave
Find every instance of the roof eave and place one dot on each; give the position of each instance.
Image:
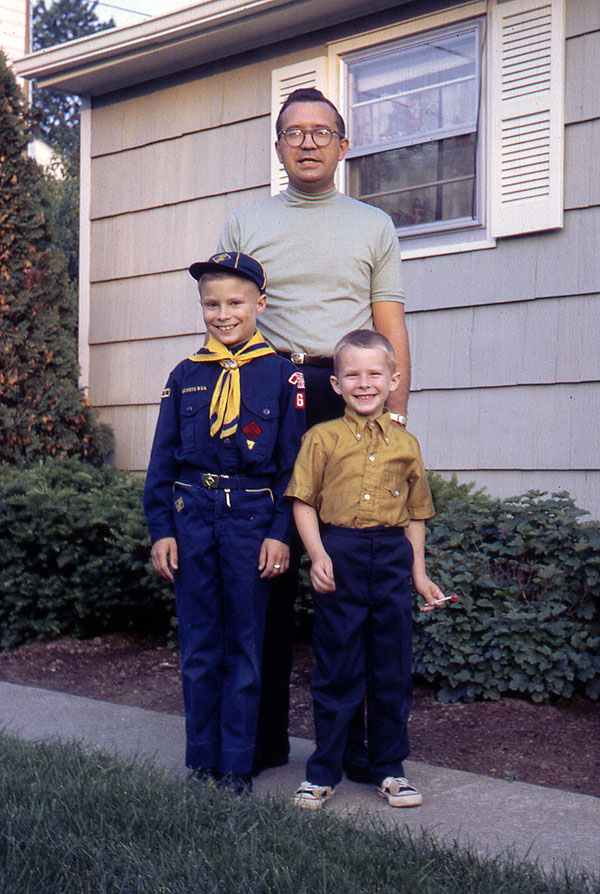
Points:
(193, 36)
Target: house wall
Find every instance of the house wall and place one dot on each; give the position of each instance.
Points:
(13, 28)
(512, 399)
(505, 360)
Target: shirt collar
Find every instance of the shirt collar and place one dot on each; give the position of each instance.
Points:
(295, 196)
(359, 423)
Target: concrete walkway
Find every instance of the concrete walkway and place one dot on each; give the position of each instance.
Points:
(543, 824)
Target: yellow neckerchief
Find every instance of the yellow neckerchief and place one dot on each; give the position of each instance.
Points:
(225, 400)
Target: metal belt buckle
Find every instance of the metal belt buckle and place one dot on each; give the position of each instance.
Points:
(210, 480)
(298, 358)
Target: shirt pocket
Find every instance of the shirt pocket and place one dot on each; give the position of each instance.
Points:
(194, 419)
(395, 494)
(259, 424)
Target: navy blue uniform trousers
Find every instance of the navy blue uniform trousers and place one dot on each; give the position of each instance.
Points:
(221, 607)
(362, 638)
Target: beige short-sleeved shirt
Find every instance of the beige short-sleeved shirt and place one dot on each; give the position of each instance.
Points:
(359, 473)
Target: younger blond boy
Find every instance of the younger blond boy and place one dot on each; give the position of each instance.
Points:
(360, 500)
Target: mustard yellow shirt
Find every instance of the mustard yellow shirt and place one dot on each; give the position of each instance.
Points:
(358, 473)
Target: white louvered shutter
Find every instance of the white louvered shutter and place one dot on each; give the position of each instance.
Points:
(526, 115)
(312, 73)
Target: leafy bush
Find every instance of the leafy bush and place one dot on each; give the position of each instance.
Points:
(528, 622)
(528, 574)
(75, 554)
(75, 561)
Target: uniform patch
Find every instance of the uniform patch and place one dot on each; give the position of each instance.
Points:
(250, 444)
(166, 393)
(252, 430)
(194, 388)
(300, 399)
(297, 379)
(179, 504)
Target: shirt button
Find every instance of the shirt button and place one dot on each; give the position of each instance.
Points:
(358, 435)
(267, 411)
(372, 458)
(397, 493)
(189, 408)
(367, 496)
(371, 425)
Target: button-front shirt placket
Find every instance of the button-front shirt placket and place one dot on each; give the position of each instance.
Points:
(371, 444)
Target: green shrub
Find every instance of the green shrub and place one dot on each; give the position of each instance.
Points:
(75, 556)
(528, 622)
(528, 574)
(75, 561)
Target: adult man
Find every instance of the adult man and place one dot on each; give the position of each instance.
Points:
(333, 265)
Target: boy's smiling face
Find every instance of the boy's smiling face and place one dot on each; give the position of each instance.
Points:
(364, 379)
(230, 305)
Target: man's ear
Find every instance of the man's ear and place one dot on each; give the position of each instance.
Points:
(344, 146)
(335, 384)
(278, 151)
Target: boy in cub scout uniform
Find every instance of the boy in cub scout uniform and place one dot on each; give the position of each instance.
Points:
(228, 431)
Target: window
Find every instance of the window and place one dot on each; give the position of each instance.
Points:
(456, 120)
(413, 109)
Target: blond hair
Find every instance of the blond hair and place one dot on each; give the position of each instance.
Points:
(364, 338)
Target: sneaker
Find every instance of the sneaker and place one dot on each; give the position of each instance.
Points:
(312, 797)
(399, 792)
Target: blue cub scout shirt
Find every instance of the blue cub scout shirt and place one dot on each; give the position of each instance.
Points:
(267, 440)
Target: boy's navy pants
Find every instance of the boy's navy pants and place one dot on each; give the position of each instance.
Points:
(362, 638)
(221, 606)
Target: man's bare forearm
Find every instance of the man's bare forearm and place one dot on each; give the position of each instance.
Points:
(388, 319)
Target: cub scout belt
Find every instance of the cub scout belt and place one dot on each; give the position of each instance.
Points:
(213, 481)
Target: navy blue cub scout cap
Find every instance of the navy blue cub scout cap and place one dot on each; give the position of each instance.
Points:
(232, 262)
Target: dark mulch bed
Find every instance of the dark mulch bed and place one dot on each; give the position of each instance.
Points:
(549, 744)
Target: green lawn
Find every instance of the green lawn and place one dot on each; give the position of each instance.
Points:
(71, 821)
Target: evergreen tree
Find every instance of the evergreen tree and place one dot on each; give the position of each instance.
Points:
(41, 410)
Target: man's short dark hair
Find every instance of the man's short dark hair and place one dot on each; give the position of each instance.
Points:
(309, 94)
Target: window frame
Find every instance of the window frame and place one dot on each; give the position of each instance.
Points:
(432, 228)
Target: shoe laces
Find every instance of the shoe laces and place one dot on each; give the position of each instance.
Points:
(396, 782)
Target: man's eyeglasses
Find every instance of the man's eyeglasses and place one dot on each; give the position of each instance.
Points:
(322, 136)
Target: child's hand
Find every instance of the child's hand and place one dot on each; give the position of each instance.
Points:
(321, 574)
(274, 558)
(164, 557)
(428, 590)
